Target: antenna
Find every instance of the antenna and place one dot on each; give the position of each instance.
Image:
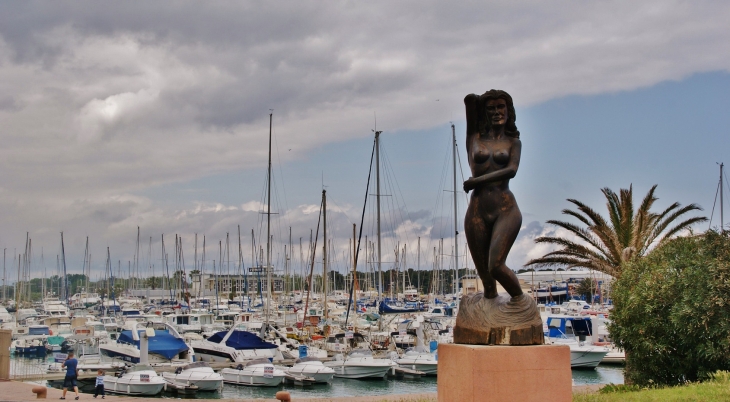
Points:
(720, 191)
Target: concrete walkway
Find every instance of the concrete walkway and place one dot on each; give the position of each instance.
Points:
(20, 391)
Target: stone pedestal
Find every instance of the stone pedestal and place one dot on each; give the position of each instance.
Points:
(539, 373)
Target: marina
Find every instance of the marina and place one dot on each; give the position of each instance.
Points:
(351, 388)
(315, 332)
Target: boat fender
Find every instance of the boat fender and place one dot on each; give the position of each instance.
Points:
(239, 367)
(178, 370)
(50, 332)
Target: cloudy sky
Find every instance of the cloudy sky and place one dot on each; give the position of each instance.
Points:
(115, 115)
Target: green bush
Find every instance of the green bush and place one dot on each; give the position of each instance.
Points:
(672, 311)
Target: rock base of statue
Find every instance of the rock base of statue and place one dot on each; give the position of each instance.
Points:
(503, 320)
(539, 373)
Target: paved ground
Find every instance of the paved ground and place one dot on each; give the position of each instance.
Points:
(19, 391)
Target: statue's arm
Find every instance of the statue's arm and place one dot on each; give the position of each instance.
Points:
(505, 173)
(471, 104)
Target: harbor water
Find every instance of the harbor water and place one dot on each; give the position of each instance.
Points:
(342, 387)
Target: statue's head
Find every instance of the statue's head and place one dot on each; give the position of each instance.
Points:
(491, 106)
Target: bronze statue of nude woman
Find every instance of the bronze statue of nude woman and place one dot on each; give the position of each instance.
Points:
(492, 223)
(493, 218)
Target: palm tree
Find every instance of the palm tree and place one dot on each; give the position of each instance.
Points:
(607, 244)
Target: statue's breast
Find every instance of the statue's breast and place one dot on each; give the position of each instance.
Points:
(486, 151)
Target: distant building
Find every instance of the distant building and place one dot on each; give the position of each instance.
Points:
(252, 284)
(472, 283)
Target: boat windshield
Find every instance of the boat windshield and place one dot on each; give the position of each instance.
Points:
(306, 359)
(139, 367)
(196, 365)
(361, 353)
(258, 361)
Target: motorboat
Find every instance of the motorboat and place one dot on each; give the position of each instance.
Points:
(312, 367)
(189, 322)
(57, 343)
(388, 306)
(30, 345)
(166, 347)
(256, 373)
(110, 324)
(419, 359)
(138, 380)
(199, 374)
(54, 307)
(360, 364)
(573, 332)
(583, 355)
(234, 345)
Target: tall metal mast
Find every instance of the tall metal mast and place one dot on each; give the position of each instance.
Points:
(324, 253)
(268, 230)
(377, 203)
(722, 217)
(456, 227)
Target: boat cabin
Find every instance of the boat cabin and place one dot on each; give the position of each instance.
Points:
(569, 327)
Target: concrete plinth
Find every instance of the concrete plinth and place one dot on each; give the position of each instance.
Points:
(538, 373)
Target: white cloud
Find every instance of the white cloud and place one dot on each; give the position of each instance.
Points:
(97, 104)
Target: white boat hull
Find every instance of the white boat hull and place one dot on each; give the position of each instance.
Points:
(205, 380)
(133, 385)
(253, 378)
(586, 358)
(355, 372)
(430, 368)
(319, 372)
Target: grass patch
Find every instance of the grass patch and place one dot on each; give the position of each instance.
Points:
(716, 389)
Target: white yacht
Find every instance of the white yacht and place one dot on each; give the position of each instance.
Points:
(54, 307)
(167, 347)
(138, 380)
(360, 364)
(312, 367)
(419, 359)
(574, 332)
(189, 322)
(199, 374)
(257, 373)
(234, 345)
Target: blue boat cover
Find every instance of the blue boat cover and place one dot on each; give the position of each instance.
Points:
(163, 343)
(242, 340)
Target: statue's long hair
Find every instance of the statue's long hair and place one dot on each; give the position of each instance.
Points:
(476, 112)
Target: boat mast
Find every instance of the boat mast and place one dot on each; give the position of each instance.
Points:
(377, 203)
(202, 270)
(722, 217)
(65, 278)
(268, 231)
(195, 266)
(456, 228)
(354, 266)
(324, 254)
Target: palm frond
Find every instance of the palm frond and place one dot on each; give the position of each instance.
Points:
(602, 241)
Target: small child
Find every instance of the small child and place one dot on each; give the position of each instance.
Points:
(99, 384)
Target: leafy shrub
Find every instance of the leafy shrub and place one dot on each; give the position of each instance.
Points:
(672, 311)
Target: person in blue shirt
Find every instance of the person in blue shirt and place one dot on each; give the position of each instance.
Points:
(99, 384)
(70, 381)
